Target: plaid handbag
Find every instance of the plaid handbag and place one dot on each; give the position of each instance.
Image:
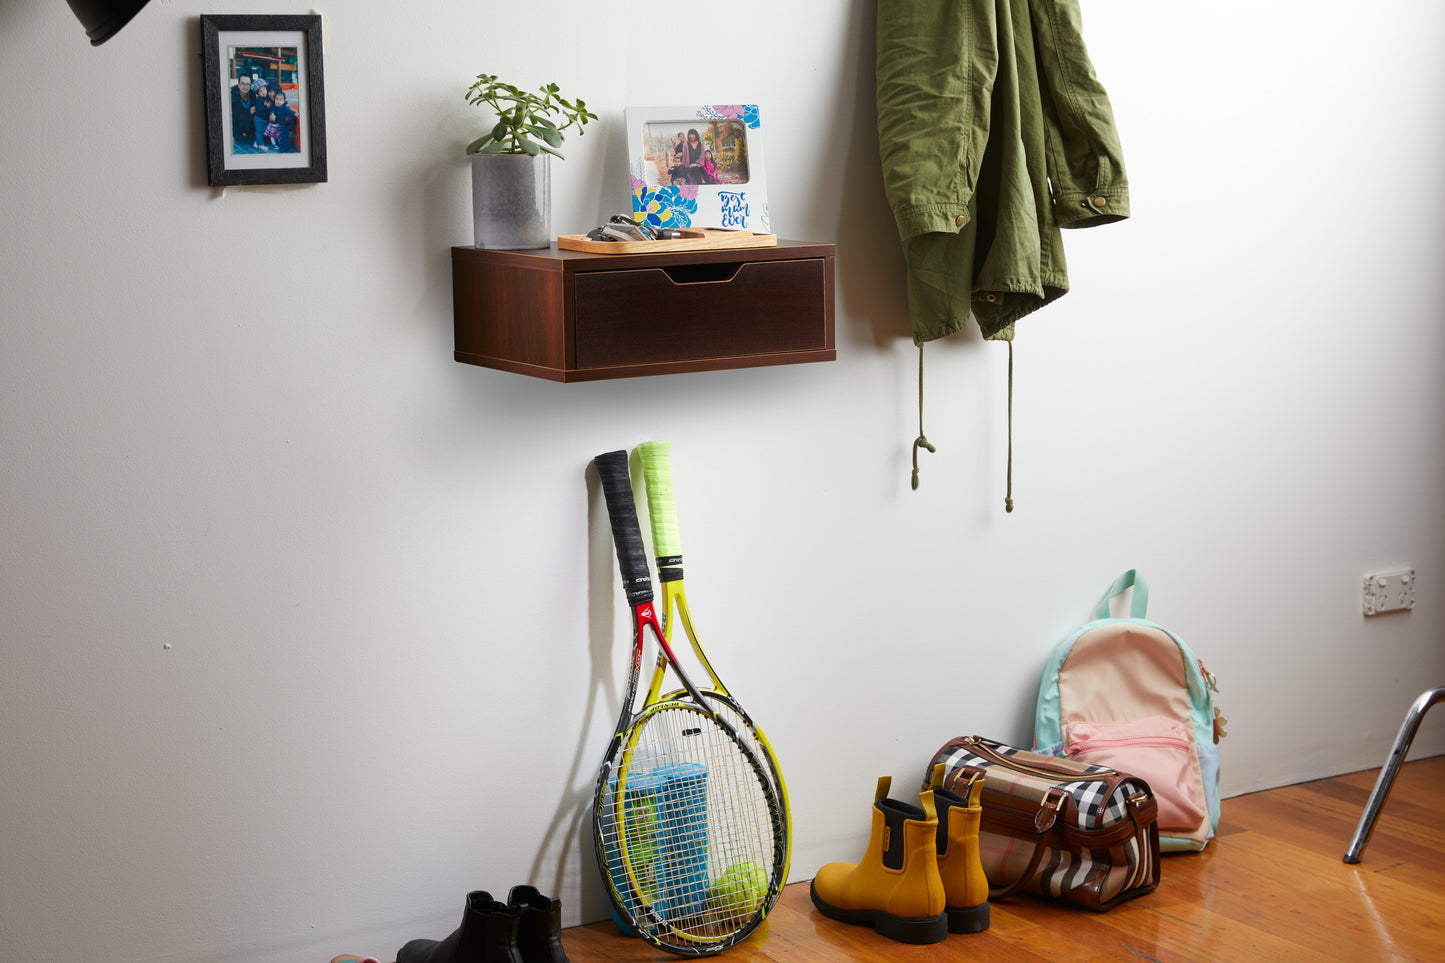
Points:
(1055, 827)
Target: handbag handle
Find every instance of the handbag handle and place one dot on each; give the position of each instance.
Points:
(1138, 603)
(1044, 823)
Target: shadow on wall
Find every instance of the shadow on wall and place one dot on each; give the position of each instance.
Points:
(571, 824)
(871, 278)
(188, 35)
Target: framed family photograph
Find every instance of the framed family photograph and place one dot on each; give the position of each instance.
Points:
(265, 106)
(699, 166)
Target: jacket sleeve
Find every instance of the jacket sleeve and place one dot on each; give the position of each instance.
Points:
(935, 67)
(1085, 162)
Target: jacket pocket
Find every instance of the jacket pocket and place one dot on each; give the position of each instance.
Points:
(1158, 750)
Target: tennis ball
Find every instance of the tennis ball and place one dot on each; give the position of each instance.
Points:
(640, 825)
(740, 890)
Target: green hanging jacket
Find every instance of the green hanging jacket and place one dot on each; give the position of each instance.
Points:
(994, 134)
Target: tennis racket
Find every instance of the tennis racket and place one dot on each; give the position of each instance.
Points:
(689, 831)
(656, 459)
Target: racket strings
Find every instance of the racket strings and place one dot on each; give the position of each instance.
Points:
(689, 834)
(743, 726)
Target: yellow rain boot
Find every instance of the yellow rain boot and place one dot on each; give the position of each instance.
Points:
(965, 886)
(896, 889)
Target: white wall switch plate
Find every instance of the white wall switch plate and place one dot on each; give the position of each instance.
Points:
(1390, 591)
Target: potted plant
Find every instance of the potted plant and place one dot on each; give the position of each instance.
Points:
(511, 173)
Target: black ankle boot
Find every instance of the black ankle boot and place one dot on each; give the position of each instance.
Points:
(539, 933)
(488, 934)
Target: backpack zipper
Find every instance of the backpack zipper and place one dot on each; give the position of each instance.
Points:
(1173, 742)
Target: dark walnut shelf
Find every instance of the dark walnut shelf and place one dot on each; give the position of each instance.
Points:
(573, 316)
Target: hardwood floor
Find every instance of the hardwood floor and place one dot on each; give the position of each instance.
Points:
(1272, 886)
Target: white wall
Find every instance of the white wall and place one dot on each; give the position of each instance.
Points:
(307, 630)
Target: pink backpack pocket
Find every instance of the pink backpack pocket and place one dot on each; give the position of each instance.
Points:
(1158, 750)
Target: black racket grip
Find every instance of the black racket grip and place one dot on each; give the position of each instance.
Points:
(626, 533)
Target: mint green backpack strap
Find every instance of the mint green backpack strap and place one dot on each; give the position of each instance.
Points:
(1138, 603)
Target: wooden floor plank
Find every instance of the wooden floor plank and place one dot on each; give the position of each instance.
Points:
(1272, 886)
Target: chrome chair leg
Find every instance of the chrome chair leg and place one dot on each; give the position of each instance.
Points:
(1381, 792)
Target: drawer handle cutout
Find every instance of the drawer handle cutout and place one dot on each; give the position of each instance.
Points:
(703, 273)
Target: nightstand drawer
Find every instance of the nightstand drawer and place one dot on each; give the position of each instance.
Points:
(571, 315)
(695, 311)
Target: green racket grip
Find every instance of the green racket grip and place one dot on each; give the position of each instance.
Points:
(626, 533)
(661, 507)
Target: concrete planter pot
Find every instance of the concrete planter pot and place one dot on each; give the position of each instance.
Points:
(512, 201)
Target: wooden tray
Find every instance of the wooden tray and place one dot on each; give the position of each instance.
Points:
(692, 240)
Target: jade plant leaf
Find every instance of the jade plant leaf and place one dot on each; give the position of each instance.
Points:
(526, 123)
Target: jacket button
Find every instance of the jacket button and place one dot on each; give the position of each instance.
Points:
(1100, 201)
(958, 221)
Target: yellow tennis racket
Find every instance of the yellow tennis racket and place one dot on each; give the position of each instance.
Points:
(656, 458)
(688, 826)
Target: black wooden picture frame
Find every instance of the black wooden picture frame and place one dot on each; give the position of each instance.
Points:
(247, 61)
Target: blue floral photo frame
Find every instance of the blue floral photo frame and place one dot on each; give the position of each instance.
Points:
(698, 167)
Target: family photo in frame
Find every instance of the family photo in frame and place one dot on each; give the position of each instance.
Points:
(698, 166)
(265, 109)
(716, 154)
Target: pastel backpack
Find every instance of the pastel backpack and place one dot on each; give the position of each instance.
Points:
(1129, 695)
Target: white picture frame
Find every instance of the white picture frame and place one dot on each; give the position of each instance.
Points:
(713, 177)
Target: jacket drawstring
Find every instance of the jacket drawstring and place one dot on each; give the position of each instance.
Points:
(1008, 498)
(922, 439)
